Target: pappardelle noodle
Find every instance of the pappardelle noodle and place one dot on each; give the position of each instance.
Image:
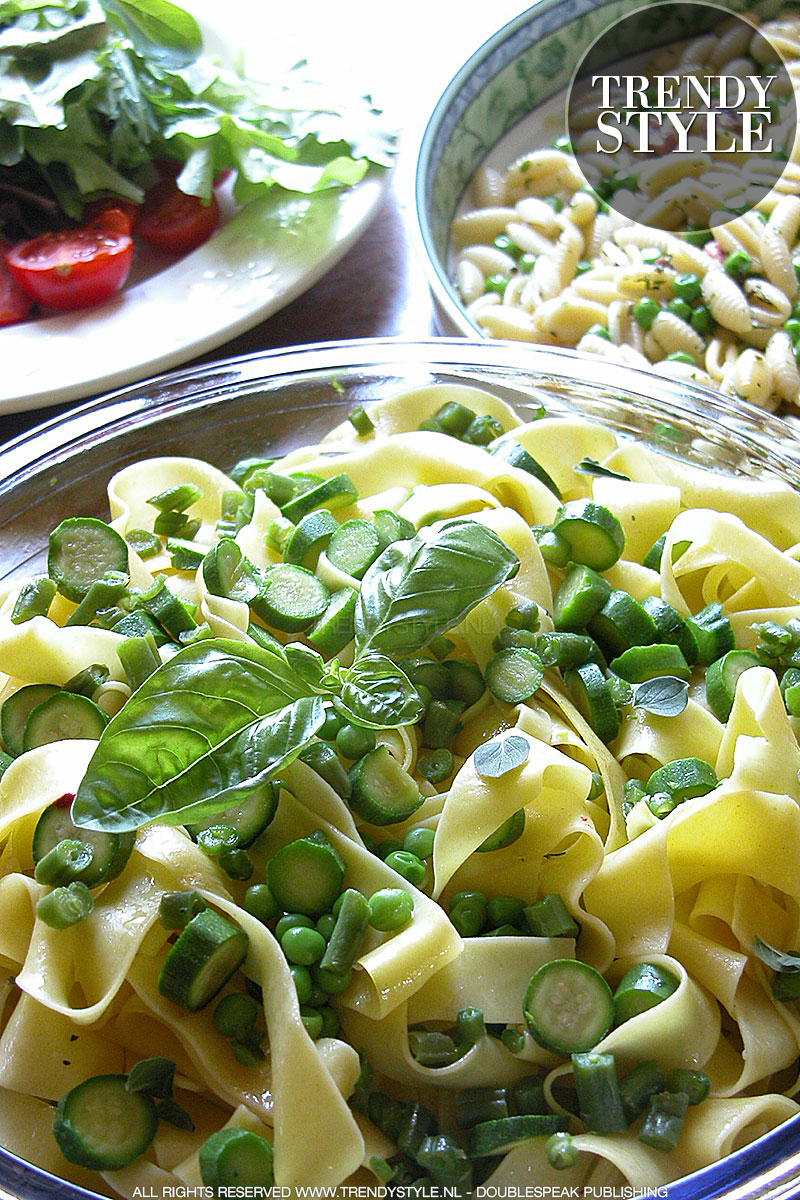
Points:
(419, 808)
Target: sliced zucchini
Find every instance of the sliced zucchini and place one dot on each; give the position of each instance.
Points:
(110, 851)
(336, 626)
(383, 793)
(514, 674)
(622, 622)
(588, 687)
(323, 759)
(62, 716)
(310, 536)
(714, 633)
(249, 818)
(306, 876)
(568, 1006)
(506, 834)
(292, 598)
(81, 550)
(642, 987)
(227, 572)
(354, 547)
(337, 492)
(391, 527)
(208, 952)
(672, 628)
(640, 663)
(502, 1135)
(236, 1159)
(517, 456)
(103, 1126)
(722, 677)
(596, 538)
(16, 710)
(581, 594)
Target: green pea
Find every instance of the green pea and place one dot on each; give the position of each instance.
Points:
(330, 726)
(687, 287)
(526, 263)
(354, 742)
(420, 841)
(330, 1021)
(792, 327)
(680, 308)
(290, 921)
(303, 946)
(331, 983)
(235, 1015)
(325, 925)
(507, 245)
(435, 767)
(408, 865)
(260, 903)
(599, 331)
(702, 321)
(303, 983)
(560, 1151)
(468, 913)
(313, 1021)
(645, 312)
(390, 909)
(738, 265)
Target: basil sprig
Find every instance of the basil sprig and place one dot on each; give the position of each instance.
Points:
(419, 589)
(222, 717)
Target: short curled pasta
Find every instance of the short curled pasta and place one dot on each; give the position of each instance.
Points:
(559, 267)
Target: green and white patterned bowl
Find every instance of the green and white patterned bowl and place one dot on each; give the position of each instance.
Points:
(491, 98)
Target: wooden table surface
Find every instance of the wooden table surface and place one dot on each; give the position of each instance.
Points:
(405, 54)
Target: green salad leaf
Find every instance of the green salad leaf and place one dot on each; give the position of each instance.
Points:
(420, 588)
(94, 92)
(199, 735)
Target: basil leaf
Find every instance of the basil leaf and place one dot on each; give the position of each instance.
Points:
(664, 696)
(200, 734)
(375, 693)
(420, 588)
(590, 466)
(169, 1111)
(778, 960)
(152, 1076)
(493, 759)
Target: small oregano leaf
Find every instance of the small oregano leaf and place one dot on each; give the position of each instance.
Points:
(664, 696)
(152, 1076)
(496, 758)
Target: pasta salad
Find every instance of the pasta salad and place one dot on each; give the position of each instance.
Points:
(420, 808)
(539, 256)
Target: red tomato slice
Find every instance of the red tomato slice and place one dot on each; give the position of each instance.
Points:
(174, 222)
(115, 214)
(75, 268)
(14, 303)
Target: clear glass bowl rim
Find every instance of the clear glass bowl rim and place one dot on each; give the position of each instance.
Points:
(766, 1170)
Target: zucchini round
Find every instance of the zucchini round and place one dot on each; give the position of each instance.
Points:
(103, 1126)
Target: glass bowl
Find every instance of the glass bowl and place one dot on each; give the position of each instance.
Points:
(275, 401)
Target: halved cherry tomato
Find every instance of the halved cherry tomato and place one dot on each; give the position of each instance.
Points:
(119, 215)
(14, 303)
(174, 222)
(75, 268)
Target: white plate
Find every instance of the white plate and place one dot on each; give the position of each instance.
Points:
(259, 260)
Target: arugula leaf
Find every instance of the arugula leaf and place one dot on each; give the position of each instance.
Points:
(420, 588)
(664, 696)
(496, 758)
(200, 734)
(377, 694)
(786, 963)
(589, 466)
